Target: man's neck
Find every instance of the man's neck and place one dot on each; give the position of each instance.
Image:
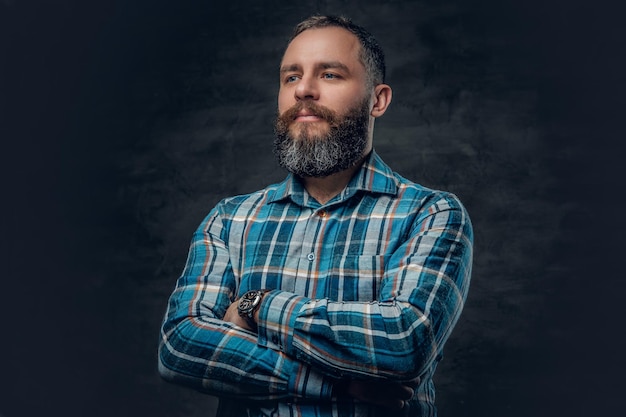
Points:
(324, 189)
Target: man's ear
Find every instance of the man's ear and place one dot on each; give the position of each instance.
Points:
(382, 99)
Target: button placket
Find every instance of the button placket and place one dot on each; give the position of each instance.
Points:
(313, 229)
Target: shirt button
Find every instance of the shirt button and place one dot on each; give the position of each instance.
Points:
(322, 213)
(311, 256)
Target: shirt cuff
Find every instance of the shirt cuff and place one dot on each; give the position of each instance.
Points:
(308, 384)
(277, 316)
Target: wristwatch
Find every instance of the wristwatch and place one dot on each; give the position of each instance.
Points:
(249, 303)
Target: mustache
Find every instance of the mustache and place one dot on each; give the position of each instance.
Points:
(315, 109)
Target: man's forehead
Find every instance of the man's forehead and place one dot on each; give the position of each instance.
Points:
(327, 44)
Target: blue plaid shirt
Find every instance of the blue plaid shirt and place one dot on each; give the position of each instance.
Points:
(368, 285)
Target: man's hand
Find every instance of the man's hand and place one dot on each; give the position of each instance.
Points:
(232, 316)
(383, 393)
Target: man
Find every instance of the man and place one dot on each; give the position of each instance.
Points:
(333, 292)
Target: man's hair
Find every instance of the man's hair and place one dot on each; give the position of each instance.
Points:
(370, 54)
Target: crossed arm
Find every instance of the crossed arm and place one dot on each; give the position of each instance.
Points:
(384, 393)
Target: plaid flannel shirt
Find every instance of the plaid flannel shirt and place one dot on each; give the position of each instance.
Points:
(368, 285)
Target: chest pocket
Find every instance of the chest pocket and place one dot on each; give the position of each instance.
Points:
(355, 278)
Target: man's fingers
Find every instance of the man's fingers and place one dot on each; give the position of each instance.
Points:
(414, 383)
(405, 392)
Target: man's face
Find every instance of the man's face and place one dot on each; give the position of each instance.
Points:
(323, 103)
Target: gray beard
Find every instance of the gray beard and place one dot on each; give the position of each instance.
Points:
(322, 155)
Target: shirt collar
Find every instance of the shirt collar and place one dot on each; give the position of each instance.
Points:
(374, 177)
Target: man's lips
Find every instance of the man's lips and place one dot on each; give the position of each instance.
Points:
(307, 116)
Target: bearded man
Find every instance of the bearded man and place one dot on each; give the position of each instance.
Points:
(333, 292)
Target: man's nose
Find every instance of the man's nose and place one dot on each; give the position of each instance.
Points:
(307, 89)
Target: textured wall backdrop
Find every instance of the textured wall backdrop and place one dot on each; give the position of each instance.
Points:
(126, 121)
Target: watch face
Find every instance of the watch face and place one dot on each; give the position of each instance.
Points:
(249, 302)
(245, 304)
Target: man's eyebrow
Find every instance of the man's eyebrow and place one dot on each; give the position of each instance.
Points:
(334, 65)
(323, 65)
(289, 68)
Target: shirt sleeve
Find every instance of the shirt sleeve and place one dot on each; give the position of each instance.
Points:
(399, 335)
(200, 350)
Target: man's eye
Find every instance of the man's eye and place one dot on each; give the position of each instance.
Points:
(329, 76)
(291, 79)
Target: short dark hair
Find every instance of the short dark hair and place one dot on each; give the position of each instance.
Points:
(371, 54)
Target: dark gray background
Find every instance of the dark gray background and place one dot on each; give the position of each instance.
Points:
(124, 122)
